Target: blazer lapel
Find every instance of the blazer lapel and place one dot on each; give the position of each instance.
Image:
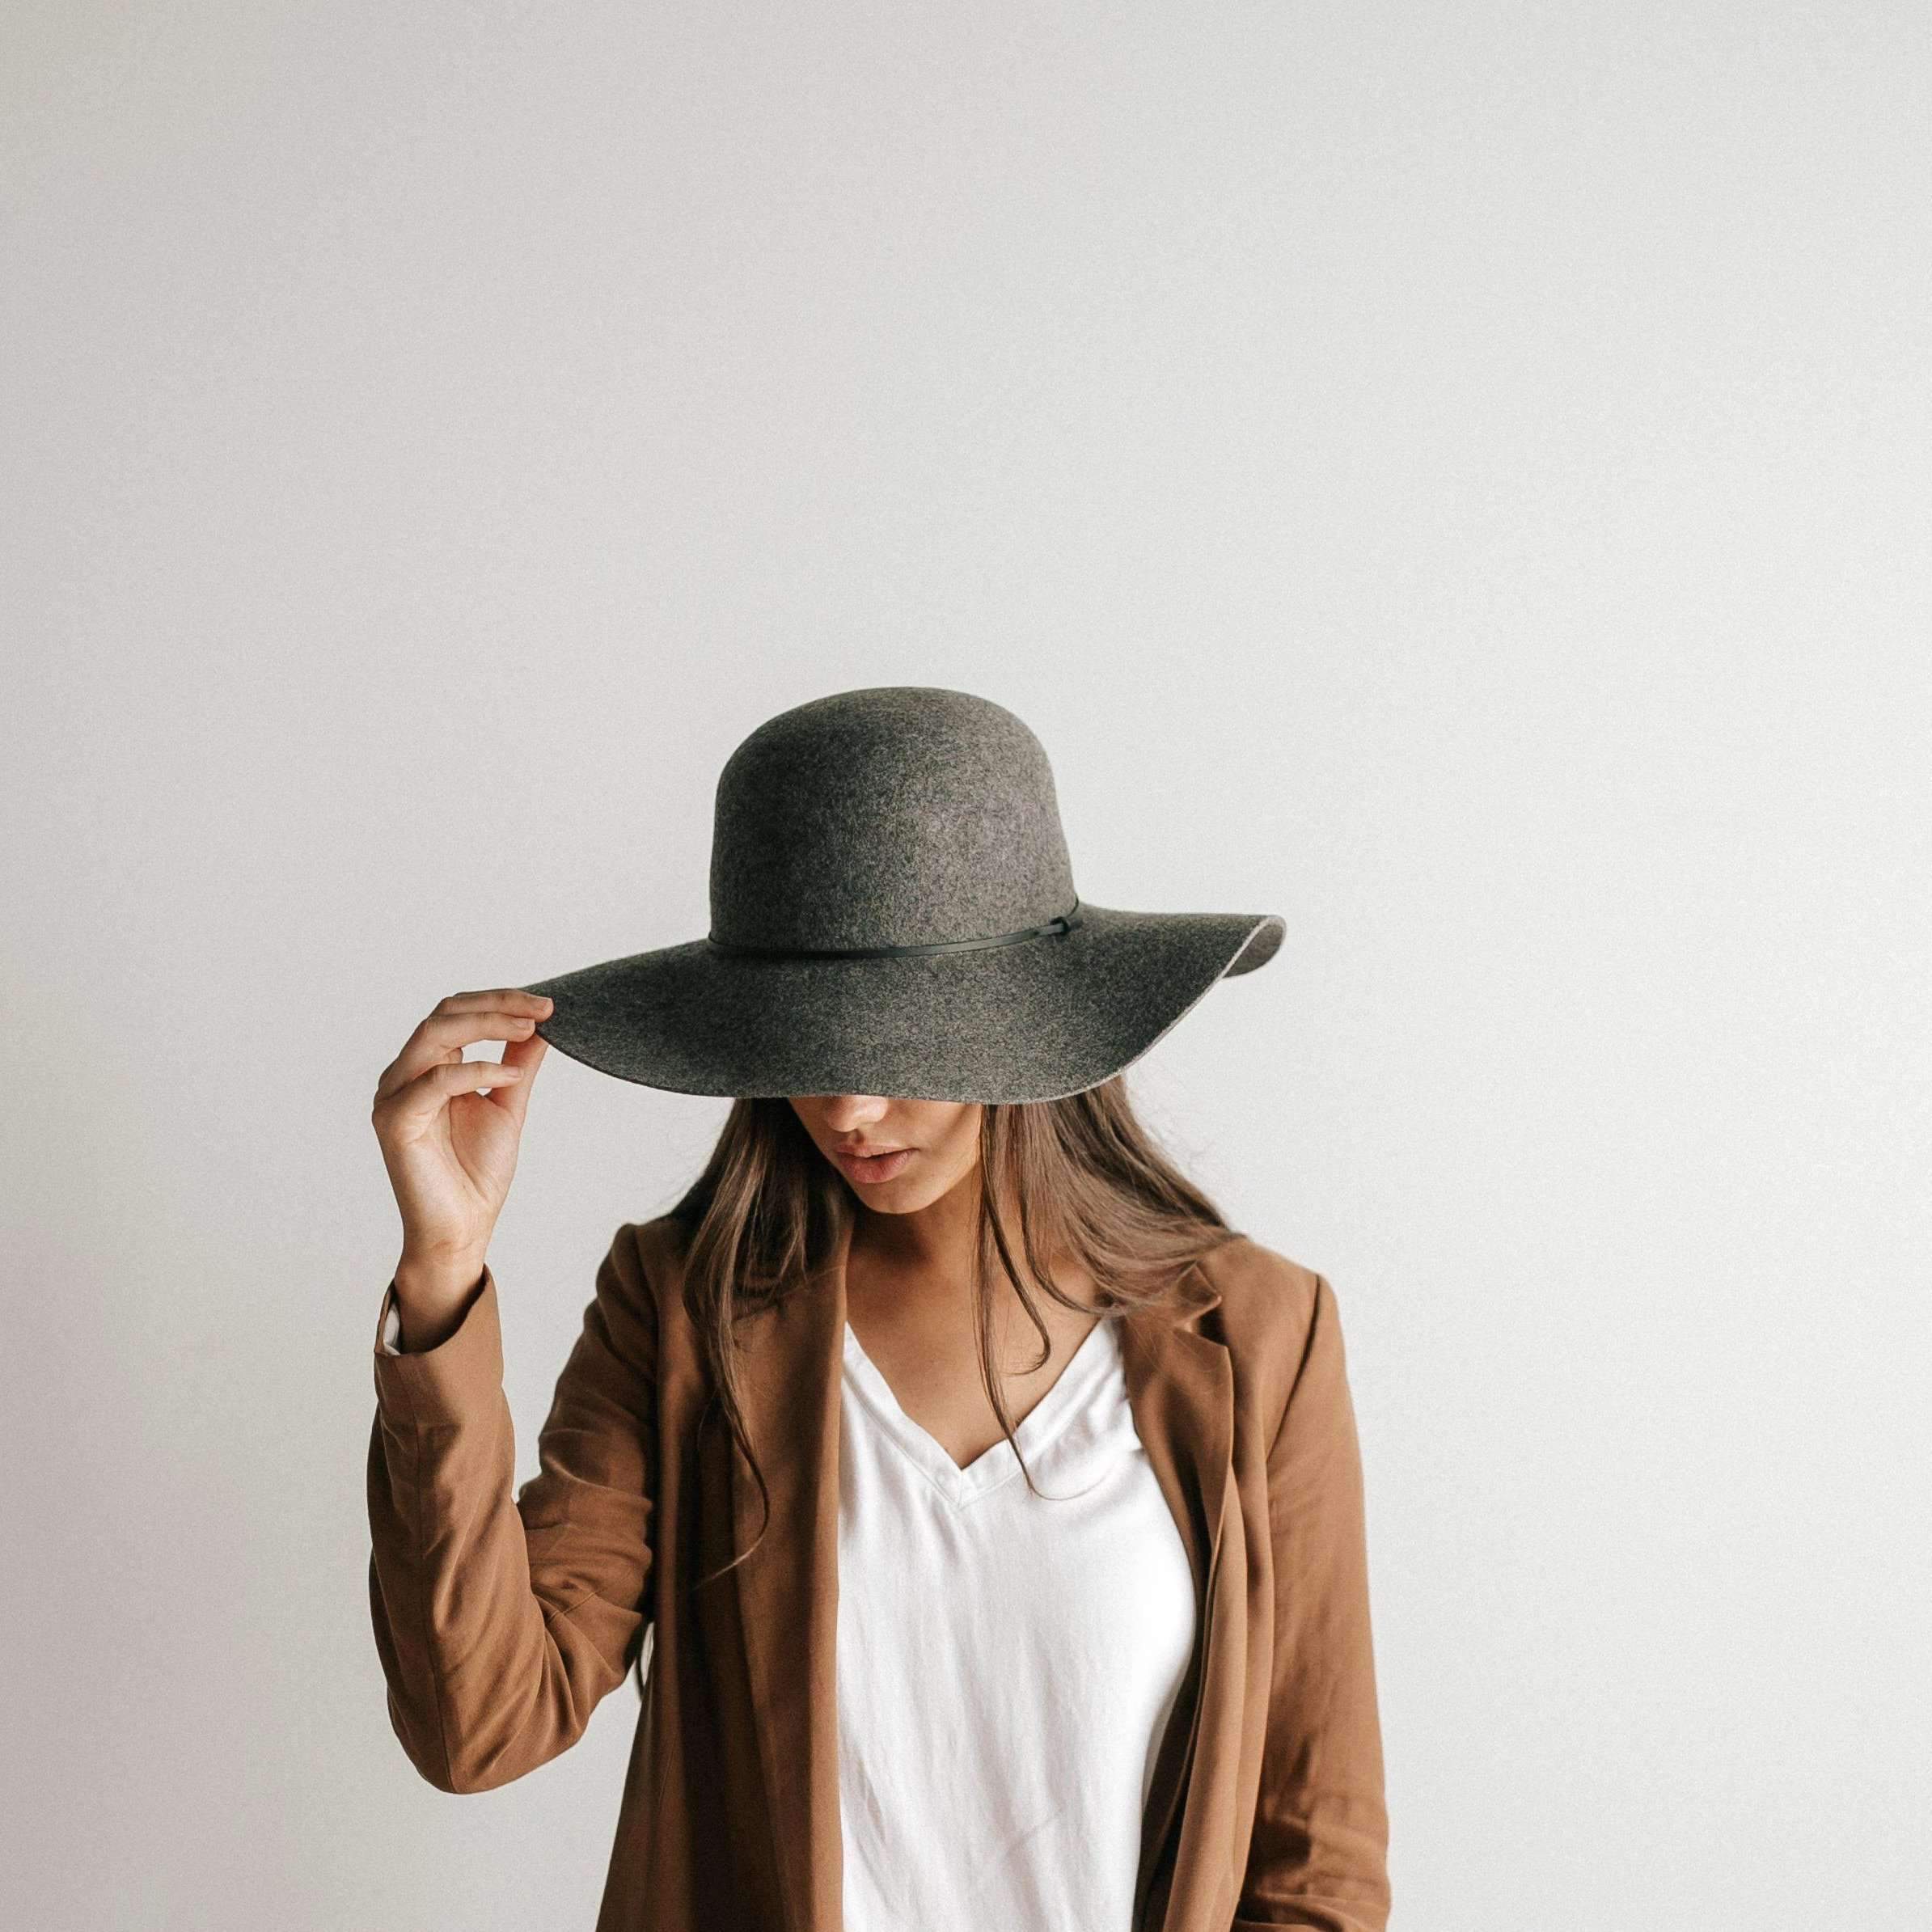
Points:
(1180, 1389)
(789, 1588)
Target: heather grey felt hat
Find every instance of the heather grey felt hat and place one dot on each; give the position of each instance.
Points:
(892, 911)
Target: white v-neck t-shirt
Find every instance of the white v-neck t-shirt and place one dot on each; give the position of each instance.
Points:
(1007, 1662)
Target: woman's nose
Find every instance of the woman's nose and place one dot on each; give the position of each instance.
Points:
(849, 1110)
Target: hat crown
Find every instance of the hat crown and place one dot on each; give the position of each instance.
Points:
(898, 815)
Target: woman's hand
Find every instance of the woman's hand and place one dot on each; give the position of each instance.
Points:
(449, 1129)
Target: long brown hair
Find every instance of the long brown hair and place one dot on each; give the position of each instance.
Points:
(1081, 1176)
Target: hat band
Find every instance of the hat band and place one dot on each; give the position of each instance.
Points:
(1065, 922)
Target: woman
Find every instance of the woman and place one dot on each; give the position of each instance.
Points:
(945, 1629)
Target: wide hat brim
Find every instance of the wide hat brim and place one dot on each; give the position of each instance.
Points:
(1034, 1021)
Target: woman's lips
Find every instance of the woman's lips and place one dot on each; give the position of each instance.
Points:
(880, 1167)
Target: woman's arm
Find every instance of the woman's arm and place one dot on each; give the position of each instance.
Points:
(501, 1624)
(1318, 1856)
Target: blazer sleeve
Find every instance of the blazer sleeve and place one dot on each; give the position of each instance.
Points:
(1318, 1857)
(501, 1623)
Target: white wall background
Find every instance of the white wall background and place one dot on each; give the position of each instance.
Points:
(1456, 477)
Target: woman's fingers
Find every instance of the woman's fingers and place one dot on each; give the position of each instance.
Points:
(522, 1057)
(418, 1100)
(451, 1160)
(461, 1021)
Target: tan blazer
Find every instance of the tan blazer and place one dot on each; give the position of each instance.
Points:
(501, 1622)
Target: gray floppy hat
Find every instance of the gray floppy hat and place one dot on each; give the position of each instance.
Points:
(893, 912)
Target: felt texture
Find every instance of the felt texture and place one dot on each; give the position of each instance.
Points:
(897, 815)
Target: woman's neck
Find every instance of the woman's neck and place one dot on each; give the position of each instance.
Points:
(931, 1244)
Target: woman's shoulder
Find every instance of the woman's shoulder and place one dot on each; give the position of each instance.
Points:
(658, 1244)
(1279, 1319)
(1268, 1298)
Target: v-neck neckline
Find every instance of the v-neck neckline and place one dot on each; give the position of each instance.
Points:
(1034, 1432)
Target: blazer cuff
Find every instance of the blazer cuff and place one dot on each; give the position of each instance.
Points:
(449, 1383)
